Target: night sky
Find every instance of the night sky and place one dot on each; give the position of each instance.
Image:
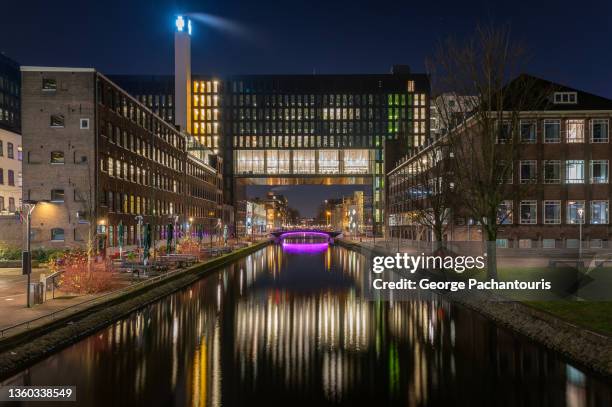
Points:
(568, 42)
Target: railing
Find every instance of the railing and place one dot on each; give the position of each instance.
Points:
(53, 315)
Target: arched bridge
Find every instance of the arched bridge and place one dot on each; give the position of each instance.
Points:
(281, 234)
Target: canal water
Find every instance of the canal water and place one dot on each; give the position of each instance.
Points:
(291, 325)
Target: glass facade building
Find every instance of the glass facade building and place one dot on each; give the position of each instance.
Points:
(10, 91)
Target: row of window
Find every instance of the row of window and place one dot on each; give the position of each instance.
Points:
(337, 100)
(574, 172)
(575, 212)
(332, 127)
(574, 131)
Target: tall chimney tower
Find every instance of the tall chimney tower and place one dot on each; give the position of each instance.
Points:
(182, 74)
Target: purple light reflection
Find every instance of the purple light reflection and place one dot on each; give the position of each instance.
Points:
(301, 248)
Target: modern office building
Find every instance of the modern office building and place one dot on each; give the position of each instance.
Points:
(97, 158)
(294, 129)
(10, 85)
(10, 139)
(562, 169)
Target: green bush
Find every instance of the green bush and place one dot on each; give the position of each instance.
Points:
(10, 253)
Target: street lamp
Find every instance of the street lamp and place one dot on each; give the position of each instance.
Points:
(26, 258)
(580, 214)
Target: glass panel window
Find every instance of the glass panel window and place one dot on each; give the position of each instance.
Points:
(575, 212)
(57, 157)
(552, 212)
(57, 195)
(57, 120)
(502, 243)
(272, 161)
(529, 214)
(49, 84)
(57, 234)
(504, 213)
(528, 171)
(574, 172)
(599, 171)
(552, 131)
(599, 212)
(528, 131)
(304, 161)
(356, 161)
(552, 172)
(503, 133)
(599, 131)
(329, 162)
(575, 131)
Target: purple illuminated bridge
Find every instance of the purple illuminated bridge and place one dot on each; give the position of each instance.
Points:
(281, 234)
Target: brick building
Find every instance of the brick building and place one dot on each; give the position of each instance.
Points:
(100, 157)
(562, 163)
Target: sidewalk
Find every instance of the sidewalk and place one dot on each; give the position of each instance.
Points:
(13, 301)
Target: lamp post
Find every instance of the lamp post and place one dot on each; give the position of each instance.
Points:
(581, 220)
(26, 258)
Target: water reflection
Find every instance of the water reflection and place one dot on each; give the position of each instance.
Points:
(287, 326)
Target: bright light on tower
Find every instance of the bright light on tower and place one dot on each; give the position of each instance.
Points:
(180, 23)
(189, 26)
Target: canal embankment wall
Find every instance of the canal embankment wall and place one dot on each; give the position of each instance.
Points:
(28, 346)
(579, 345)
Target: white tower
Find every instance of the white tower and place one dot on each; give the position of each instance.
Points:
(182, 74)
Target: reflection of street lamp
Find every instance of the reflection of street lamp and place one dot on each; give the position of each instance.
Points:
(328, 217)
(26, 258)
(581, 220)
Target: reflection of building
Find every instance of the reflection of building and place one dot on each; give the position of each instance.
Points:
(562, 168)
(101, 158)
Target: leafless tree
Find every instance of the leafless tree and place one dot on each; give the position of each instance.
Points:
(432, 198)
(482, 128)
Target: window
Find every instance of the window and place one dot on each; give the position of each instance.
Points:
(566, 98)
(552, 172)
(599, 171)
(528, 131)
(575, 212)
(57, 157)
(57, 120)
(1, 149)
(503, 132)
(10, 152)
(548, 243)
(552, 212)
(529, 215)
(575, 131)
(552, 131)
(528, 171)
(84, 124)
(574, 172)
(504, 213)
(504, 172)
(502, 243)
(599, 212)
(1, 204)
(596, 243)
(57, 195)
(11, 178)
(49, 85)
(599, 131)
(1, 176)
(57, 234)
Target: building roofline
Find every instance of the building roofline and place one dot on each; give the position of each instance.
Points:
(54, 69)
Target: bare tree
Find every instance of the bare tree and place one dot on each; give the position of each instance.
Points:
(432, 198)
(483, 131)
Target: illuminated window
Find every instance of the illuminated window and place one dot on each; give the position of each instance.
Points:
(575, 131)
(356, 161)
(329, 162)
(304, 162)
